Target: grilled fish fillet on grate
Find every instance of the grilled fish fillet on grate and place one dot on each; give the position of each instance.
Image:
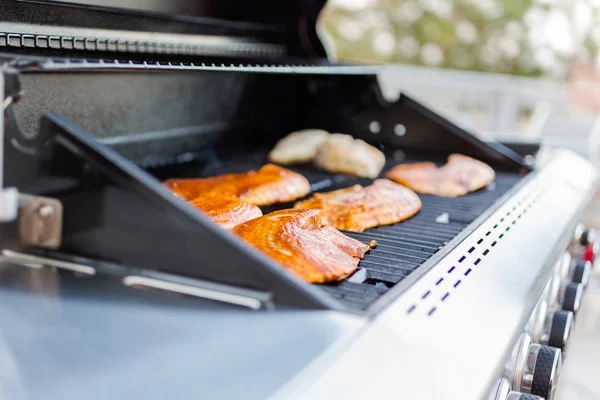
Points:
(298, 241)
(269, 185)
(233, 198)
(459, 176)
(298, 147)
(227, 211)
(344, 154)
(357, 208)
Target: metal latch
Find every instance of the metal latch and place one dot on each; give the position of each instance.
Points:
(40, 221)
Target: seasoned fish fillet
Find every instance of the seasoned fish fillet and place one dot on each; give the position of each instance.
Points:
(298, 241)
(459, 176)
(357, 208)
(298, 147)
(226, 210)
(344, 154)
(269, 185)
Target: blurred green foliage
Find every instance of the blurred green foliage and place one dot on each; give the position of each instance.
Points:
(481, 35)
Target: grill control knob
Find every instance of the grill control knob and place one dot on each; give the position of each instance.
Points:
(587, 237)
(579, 229)
(557, 329)
(580, 273)
(590, 251)
(522, 396)
(504, 392)
(541, 370)
(569, 296)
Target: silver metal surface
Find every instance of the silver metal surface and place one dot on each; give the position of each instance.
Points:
(529, 368)
(447, 343)
(535, 325)
(545, 335)
(564, 266)
(553, 290)
(28, 259)
(84, 65)
(92, 39)
(9, 202)
(516, 364)
(205, 293)
(7, 101)
(69, 338)
(503, 390)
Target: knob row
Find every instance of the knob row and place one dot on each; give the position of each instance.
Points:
(537, 360)
(535, 369)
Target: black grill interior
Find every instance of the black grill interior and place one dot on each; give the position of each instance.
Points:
(401, 248)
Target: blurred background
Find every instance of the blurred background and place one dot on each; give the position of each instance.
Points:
(507, 69)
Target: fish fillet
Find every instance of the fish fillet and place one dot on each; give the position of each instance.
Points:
(298, 241)
(357, 208)
(459, 176)
(227, 211)
(269, 185)
(298, 147)
(344, 154)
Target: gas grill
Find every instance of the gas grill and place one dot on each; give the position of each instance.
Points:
(473, 298)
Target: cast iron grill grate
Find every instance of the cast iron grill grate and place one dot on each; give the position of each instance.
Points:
(401, 248)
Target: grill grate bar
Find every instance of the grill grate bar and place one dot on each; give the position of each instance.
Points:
(391, 240)
(401, 269)
(424, 230)
(391, 251)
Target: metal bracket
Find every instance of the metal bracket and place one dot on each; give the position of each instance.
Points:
(40, 221)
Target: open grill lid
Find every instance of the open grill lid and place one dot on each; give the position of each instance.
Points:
(257, 28)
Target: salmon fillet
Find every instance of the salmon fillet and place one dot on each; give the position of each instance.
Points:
(459, 176)
(226, 210)
(357, 208)
(269, 185)
(298, 147)
(298, 241)
(344, 154)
